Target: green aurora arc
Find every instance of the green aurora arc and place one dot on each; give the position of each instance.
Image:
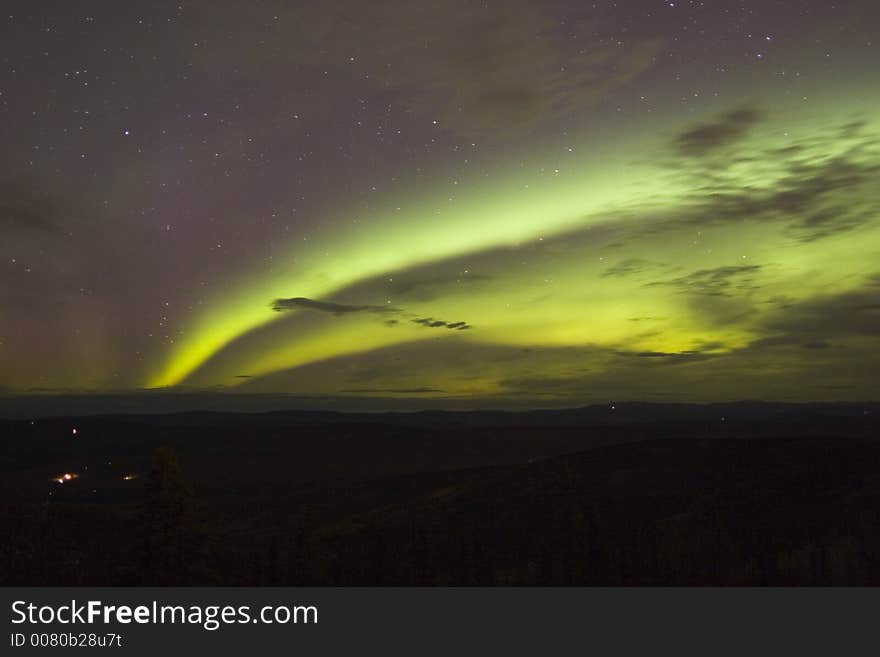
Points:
(679, 256)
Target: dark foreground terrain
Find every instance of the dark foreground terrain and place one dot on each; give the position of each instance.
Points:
(634, 494)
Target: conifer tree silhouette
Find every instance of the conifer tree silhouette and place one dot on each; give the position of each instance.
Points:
(168, 537)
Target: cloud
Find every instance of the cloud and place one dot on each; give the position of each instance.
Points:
(538, 385)
(818, 324)
(338, 309)
(815, 195)
(827, 223)
(814, 321)
(814, 188)
(23, 216)
(483, 68)
(707, 138)
(719, 281)
(396, 391)
(430, 322)
(427, 288)
(670, 358)
(26, 210)
(816, 344)
(296, 303)
(627, 267)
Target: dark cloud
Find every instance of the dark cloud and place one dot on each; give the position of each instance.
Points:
(339, 309)
(23, 209)
(296, 303)
(720, 281)
(426, 288)
(712, 345)
(707, 138)
(430, 322)
(816, 344)
(775, 341)
(485, 67)
(853, 129)
(780, 301)
(827, 223)
(816, 196)
(851, 314)
(24, 217)
(396, 391)
(545, 386)
(669, 358)
(627, 267)
(817, 324)
(812, 195)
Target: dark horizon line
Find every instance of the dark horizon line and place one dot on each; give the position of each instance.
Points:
(101, 405)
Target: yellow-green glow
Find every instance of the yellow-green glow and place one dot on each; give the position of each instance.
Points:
(632, 254)
(531, 207)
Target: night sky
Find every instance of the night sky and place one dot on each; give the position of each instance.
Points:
(534, 200)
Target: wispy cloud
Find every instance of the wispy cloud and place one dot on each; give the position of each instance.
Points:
(707, 138)
(430, 322)
(298, 303)
(338, 309)
(719, 281)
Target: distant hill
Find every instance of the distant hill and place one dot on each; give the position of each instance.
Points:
(488, 410)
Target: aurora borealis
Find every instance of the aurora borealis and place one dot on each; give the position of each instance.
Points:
(552, 202)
